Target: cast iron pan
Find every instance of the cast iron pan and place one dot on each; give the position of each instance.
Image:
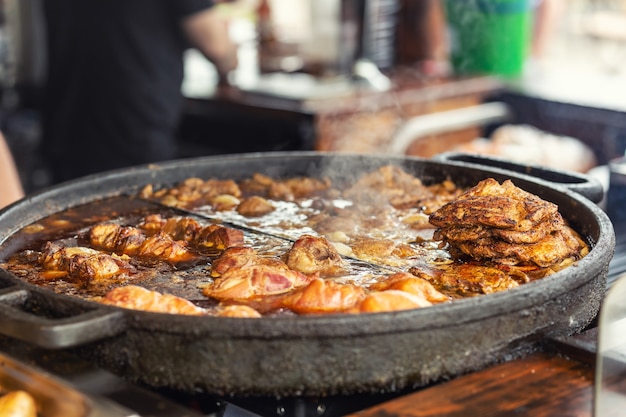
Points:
(312, 356)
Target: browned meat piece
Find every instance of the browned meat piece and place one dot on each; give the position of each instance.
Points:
(506, 225)
(219, 237)
(410, 283)
(184, 228)
(381, 251)
(552, 249)
(162, 247)
(56, 257)
(255, 280)
(116, 238)
(390, 300)
(287, 190)
(96, 267)
(104, 235)
(258, 184)
(491, 204)
(152, 224)
(224, 202)
(188, 230)
(18, 403)
(85, 264)
(469, 279)
(373, 248)
(241, 311)
(390, 185)
(390, 180)
(298, 187)
(192, 192)
(255, 206)
(323, 296)
(473, 233)
(139, 298)
(235, 257)
(311, 255)
(242, 274)
(131, 241)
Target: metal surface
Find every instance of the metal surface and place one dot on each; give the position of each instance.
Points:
(447, 121)
(335, 354)
(610, 389)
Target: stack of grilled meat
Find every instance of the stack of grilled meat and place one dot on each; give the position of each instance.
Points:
(504, 224)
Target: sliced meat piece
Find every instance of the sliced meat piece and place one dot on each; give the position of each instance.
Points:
(323, 296)
(139, 298)
(255, 280)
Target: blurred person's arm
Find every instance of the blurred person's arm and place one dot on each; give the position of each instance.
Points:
(208, 32)
(10, 185)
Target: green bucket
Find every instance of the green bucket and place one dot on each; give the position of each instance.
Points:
(489, 36)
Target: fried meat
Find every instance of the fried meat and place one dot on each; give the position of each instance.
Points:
(169, 240)
(493, 205)
(390, 300)
(467, 279)
(255, 206)
(504, 224)
(242, 274)
(410, 283)
(138, 298)
(552, 249)
(84, 264)
(312, 254)
(192, 192)
(323, 296)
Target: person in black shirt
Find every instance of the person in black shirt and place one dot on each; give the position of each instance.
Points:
(114, 76)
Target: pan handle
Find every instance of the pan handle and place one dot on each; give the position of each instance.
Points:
(584, 185)
(55, 333)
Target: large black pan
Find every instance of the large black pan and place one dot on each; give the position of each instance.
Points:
(311, 356)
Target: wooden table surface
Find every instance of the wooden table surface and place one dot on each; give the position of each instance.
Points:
(556, 381)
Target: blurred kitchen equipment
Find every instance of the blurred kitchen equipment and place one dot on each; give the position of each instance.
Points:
(610, 382)
(524, 143)
(616, 195)
(353, 40)
(445, 121)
